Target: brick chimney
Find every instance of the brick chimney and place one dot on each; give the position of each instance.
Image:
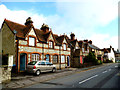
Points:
(90, 41)
(45, 28)
(86, 40)
(29, 22)
(72, 36)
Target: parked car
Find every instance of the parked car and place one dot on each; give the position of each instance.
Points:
(37, 67)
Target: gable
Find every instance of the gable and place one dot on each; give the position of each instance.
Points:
(32, 32)
(77, 45)
(64, 41)
(50, 37)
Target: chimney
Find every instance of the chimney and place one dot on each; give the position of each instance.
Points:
(29, 22)
(90, 42)
(72, 36)
(45, 28)
(86, 40)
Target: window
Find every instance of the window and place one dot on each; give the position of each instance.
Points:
(62, 59)
(55, 59)
(64, 47)
(32, 63)
(31, 41)
(41, 63)
(50, 44)
(35, 57)
(85, 47)
(48, 63)
(77, 47)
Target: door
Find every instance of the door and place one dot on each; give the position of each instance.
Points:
(22, 62)
(47, 57)
(68, 62)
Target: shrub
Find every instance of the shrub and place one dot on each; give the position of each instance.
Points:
(90, 58)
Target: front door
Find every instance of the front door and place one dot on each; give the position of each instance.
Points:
(47, 57)
(22, 62)
(68, 63)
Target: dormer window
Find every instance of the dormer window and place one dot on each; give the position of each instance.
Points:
(64, 47)
(50, 44)
(31, 41)
(77, 47)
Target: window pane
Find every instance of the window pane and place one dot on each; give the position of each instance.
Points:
(55, 59)
(31, 41)
(64, 46)
(35, 57)
(62, 59)
(50, 44)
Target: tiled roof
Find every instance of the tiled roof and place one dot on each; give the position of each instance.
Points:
(94, 47)
(23, 30)
(73, 42)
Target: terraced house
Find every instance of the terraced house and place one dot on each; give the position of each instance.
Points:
(26, 43)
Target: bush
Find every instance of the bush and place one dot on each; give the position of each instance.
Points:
(90, 58)
(99, 62)
(107, 61)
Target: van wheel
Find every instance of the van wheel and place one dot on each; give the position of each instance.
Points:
(54, 70)
(37, 72)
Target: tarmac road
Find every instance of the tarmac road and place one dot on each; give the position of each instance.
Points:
(107, 76)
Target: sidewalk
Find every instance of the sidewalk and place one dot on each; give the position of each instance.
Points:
(26, 80)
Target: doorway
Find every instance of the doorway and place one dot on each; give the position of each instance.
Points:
(23, 61)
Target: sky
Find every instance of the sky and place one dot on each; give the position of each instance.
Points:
(95, 20)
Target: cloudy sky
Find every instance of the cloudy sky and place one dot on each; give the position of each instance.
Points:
(95, 20)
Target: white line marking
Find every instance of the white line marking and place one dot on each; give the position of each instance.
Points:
(88, 79)
(109, 69)
(104, 72)
(116, 66)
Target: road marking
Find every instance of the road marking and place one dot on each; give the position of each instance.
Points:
(109, 69)
(104, 72)
(116, 66)
(88, 79)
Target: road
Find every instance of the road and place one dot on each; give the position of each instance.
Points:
(101, 77)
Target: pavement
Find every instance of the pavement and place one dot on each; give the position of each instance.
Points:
(22, 80)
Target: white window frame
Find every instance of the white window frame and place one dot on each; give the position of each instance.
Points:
(55, 58)
(77, 47)
(64, 46)
(31, 41)
(35, 57)
(62, 59)
(50, 44)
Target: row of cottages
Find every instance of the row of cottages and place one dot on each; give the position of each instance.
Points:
(26, 43)
(80, 49)
(109, 54)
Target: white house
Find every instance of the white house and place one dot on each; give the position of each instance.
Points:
(109, 52)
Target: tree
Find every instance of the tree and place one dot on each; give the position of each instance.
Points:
(90, 58)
